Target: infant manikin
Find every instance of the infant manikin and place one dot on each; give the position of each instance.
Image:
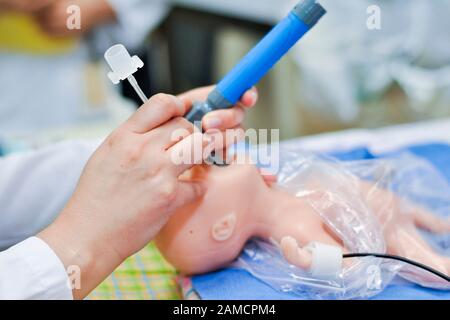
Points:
(240, 204)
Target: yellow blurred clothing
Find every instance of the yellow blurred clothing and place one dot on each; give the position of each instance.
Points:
(20, 33)
(53, 74)
(50, 84)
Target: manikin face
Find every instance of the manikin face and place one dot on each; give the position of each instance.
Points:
(213, 230)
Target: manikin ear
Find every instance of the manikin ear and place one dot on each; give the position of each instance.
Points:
(223, 229)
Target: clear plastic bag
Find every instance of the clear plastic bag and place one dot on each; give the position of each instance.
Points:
(340, 193)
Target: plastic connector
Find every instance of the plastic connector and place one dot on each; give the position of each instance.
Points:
(121, 63)
(326, 260)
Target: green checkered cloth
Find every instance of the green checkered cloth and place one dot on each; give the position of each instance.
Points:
(144, 276)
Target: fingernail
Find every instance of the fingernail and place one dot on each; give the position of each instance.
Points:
(254, 96)
(212, 123)
(240, 117)
(180, 103)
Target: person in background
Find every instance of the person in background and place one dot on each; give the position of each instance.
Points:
(49, 78)
(389, 63)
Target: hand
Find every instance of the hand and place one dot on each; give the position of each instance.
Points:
(26, 6)
(127, 192)
(222, 120)
(53, 18)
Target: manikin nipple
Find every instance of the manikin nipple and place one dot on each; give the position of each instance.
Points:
(223, 229)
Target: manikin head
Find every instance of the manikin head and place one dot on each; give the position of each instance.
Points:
(193, 240)
(239, 204)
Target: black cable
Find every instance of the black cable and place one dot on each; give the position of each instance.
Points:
(392, 257)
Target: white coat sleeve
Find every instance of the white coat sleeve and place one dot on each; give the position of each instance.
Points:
(31, 270)
(34, 187)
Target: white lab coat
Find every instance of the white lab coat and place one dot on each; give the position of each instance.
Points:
(38, 92)
(34, 187)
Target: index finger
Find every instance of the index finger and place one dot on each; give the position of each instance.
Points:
(247, 100)
(156, 111)
(199, 94)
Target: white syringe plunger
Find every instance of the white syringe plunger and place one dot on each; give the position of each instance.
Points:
(122, 64)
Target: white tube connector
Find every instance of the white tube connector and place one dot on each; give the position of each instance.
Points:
(326, 260)
(121, 63)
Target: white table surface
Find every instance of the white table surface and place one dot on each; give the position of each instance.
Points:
(378, 140)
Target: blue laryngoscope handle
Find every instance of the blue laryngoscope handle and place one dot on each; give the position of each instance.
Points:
(261, 59)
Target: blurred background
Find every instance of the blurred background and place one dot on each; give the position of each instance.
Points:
(343, 74)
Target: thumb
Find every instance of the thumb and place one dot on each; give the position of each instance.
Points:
(188, 192)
